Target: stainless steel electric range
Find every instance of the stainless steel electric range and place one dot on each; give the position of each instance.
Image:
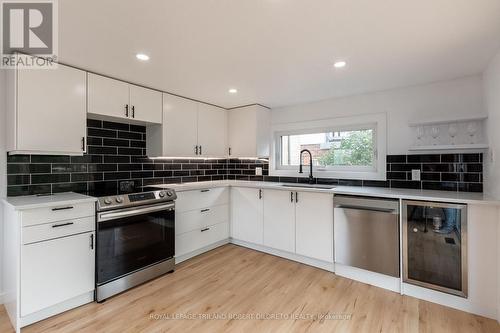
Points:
(135, 240)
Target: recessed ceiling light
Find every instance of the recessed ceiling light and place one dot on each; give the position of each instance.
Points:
(233, 91)
(142, 56)
(339, 64)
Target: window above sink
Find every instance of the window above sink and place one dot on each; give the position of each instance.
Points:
(347, 147)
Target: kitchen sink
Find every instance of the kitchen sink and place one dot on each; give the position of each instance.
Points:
(322, 187)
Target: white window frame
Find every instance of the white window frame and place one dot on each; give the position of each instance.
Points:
(377, 122)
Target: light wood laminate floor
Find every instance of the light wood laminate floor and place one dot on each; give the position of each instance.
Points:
(233, 280)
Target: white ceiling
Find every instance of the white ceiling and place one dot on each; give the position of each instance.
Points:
(279, 52)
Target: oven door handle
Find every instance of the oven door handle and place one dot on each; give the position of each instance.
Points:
(107, 216)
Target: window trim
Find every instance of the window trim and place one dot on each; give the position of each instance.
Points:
(377, 122)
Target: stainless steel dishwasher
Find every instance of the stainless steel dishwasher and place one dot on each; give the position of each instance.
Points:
(366, 233)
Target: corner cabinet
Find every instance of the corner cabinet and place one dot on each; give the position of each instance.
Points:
(249, 131)
(46, 111)
(190, 129)
(247, 215)
(123, 101)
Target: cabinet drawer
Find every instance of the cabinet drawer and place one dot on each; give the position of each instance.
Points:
(204, 198)
(58, 229)
(196, 219)
(197, 239)
(57, 213)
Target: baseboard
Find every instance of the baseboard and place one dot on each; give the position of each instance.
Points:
(186, 256)
(375, 279)
(58, 308)
(327, 266)
(2, 294)
(452, 301)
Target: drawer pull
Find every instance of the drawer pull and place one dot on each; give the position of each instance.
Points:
(62, 208)
(205, 229)
(62, 224)
(203, 191)
(205, 210)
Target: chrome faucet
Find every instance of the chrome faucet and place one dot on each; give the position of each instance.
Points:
(311, 178)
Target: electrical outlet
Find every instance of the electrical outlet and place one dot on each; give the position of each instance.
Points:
(415, 174)
(258, 171)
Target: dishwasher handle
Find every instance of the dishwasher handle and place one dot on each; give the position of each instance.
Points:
(367, 203)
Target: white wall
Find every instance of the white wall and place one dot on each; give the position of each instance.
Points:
(460, 97)
(492, 104)
(3, 167)
(492, 164)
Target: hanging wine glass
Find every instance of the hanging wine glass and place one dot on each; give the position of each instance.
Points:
(420, 134)
(452, 131)
(472, 129)
(435, 133)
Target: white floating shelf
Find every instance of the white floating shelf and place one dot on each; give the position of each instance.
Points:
(441, 121)
(451, 147)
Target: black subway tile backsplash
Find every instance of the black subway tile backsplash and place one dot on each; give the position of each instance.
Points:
(115, 152)
(424, 158)
(396, 158)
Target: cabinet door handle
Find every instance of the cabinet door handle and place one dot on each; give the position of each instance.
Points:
(83, 143)
(200, 150)
(296, 196)
(196, 149)
(205, 229)
(291, 196)
(229, 151)
(126, 110)
(133, 111)
(62, 208)
(62, 224)
(260, 193)
(206, 190)
(205, 210)
(91, 241)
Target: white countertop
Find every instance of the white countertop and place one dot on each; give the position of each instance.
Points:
(37, 201)
(409, 194)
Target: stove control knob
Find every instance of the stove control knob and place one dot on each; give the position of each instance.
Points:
(107, 201)
(161, 194)
(119, 199)
(169, 193)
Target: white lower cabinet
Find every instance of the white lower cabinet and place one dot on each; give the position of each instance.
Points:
(49, 258)
(247, 215)
(198, 239)
(298, 223)
(56, 270)
(279, 220)
(201, 221)
(314, 225)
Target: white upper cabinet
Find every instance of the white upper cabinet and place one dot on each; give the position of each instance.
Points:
(249, 131)
(190, 129)
(180, 128)
(212, 125)
(120, 100)
(46, 111)
(145, 104)
(247, 220)
(314, 225)
(279, 220)
(108, 97)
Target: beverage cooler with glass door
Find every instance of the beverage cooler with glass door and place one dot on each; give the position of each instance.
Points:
(435, 246)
